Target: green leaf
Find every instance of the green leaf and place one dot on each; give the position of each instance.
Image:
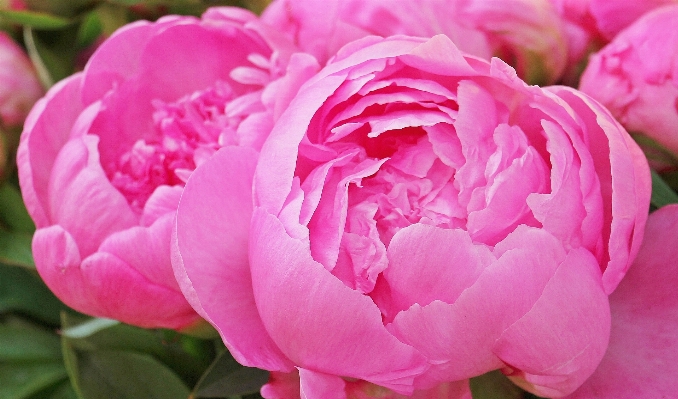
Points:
(22, 291)
(104, 335)
(20, 380)
(662, 194)
(13, 212)
(495, 385)
(60, 390)
(35, 19)
(52, 52)
(226, 377)
(15, 248)
(124, 375)
(21, 343)
(90, 29)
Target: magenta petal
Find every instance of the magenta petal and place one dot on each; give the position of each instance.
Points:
(316, 385)
(164, 200)
(428, 263)
(78, 183)
(117, 288)
(560, 341)
(624, 179)
(147, 250)
(46, 130)
(106, 67)
(640, 361)
(104, 285)
(210, 255)
(57, 260)
(505, 291)
(316, 320)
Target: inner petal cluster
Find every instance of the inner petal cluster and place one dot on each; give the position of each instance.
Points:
(188, 131)
(414, 151)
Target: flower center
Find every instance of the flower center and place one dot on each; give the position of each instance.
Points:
(188, 131)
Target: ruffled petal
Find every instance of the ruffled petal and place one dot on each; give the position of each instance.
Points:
(316, 320)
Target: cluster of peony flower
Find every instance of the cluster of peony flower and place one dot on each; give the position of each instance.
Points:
(360, 199)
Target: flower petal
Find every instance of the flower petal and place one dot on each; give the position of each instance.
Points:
(209, 255)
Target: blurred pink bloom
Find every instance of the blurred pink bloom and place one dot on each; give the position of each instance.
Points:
(612, 16)
(420, 216)
(105, 155)
(528, 34)
(636, 77)
(582, 35)
(640, 361)
(19, 86)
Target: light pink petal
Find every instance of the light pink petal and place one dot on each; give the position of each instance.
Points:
(624, 178)
(505, 291)
(46, 130)
(281, 148)
(81, 198)
(439, 56)
(478, 117)
(209, 255)
(561, 211)
(315, 385)
(428, 263)
(640, 362)
(556, 346)
(334, 328)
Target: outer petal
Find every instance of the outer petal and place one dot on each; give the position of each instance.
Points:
(640, 362)
(560, 341)
(104, 285)
(78, 182)
(209, 255)
(46, 130)
(625, 182)
(316, 320)
(502, 294)
(428, 263)
(316, 385)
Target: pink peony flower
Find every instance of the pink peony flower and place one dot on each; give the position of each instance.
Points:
(420, 216)
(104, 156)
(612, 16)
(19, 86)
(636, 77)
(640, 361)
(582, 36)
(526, 33)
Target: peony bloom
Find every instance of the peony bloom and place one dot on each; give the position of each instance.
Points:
(636, 77)
(19, 86)
(582, 36)
(420, 217)
(612, 16)
(640, 361)
(104, 156)
(528, 34)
